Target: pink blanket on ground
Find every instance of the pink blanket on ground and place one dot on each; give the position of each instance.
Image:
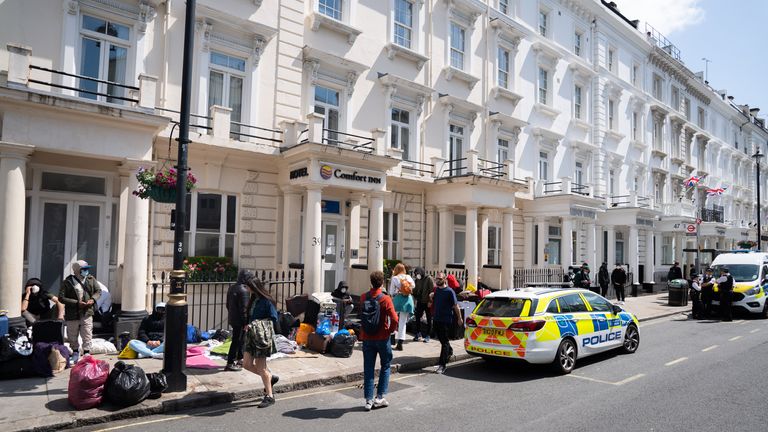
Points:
(196, 359)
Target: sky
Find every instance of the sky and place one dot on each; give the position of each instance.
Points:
(732, 34)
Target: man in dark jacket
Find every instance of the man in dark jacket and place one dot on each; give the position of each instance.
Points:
(151, 334)
(619, 279)
(79, 292)
(725, 287)
(675, 272)
(581, 280)
(603, 279)
(424, 287)
(237, 304)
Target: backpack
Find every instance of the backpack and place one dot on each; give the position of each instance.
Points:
(405, 286)
(370, 317)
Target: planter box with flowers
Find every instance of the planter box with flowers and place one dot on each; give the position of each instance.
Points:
(160, 185)
(747, 244)
(210, 269)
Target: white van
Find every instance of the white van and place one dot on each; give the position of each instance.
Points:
(750, 280)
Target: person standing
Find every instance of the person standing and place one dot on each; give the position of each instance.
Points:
(400, 288)
(725, 286)
(79, 292)
(237, 307)
(446, 313)
(675, 272)
(582, 280)
(696, 307)
(378, 321)
(707, 292)
(37, 303)
(260, 338)
(619, 279)
(603, 279)
(424, 287)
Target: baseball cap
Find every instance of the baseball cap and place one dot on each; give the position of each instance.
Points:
(79, 265)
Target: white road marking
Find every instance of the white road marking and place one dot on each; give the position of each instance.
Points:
(618, 383)
(755, 330)
(710, 348)
(673, 362)
(741, 322)
(734, 338)
(630, 379)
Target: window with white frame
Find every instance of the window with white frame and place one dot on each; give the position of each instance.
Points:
(687, 108)
(504, 7)
(459, 237)
(657, 191)
(327, 103)
(657, 133)
(211, 227)
(666, 250)
(225, 85)
(494, 245)
(578, 174)
(544, 22)
(675, 98)
(611, 59)
(458, 45)
(612, 114)
(391, 242)
(403, 31)
(701, 118)
(502, 150)
(657, 89)
(635, 74)
(577, 101)
(612, 182)
(636, 184)
(400, 131)
(543, 166)
(503, 67)
(553, 245)
(578, 39)
(543, 87)
(331, 8)
(635, 125)
(104, 49)
(455, 148)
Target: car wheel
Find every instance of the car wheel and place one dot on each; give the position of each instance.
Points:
(565, 359)
(764, 313)
(631, 340)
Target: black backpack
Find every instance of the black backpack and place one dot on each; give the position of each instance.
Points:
(370, 317)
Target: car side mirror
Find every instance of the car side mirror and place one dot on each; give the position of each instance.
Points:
(617, 309)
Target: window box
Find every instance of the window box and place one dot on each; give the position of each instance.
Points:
(581, 124)
(501, 92)
(546, 110)
(394, 49)
(639, 144)
(316, 20)
(618, 136)
(451, 72)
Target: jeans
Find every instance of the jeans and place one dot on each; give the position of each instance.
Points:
(236, 348)
(421, 309)
(143, 350)
(371, 349)
(446, 351)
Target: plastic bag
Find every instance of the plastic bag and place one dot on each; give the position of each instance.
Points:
(303, 334)
(343, 345)
(86, 383)
(127, 385)
(157, 384)
(128, 353)
(324, 328)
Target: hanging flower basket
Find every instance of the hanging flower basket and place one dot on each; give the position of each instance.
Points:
(160, 185)
(747, 244)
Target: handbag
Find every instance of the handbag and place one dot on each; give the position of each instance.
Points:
(261, 333)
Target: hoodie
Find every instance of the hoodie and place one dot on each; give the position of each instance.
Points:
(424, 286)
(238, 297)
(152, 328)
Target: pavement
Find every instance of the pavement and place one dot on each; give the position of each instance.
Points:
(40, 404)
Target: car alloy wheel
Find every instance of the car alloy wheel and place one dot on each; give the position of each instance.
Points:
(566, 356)
(631, 340)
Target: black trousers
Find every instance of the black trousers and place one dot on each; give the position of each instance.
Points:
(421, 309)
(604, 290)
(706, 301)
(236, 349)
(725, 305)
(697, 308)
(443, 331)
(619, 292)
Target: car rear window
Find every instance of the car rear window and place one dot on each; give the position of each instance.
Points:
(503, 307)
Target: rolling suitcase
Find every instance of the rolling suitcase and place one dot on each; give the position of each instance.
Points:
(318, 343)
(48, 331)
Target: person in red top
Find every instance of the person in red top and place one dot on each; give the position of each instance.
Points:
(377, 344)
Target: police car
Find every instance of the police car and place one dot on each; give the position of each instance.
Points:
(750, 276)
(548, 325)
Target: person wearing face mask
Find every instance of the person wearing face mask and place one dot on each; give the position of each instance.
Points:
(79, 292)
(343, 302)
(424, 287)
(39, 304)
(151, 333)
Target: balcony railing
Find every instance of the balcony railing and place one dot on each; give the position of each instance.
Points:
(89, 87)
(270, 137)
(712, 215)
(632, 200)
(414, 167)
(490, 168)
(453, 168)
(580, 189)
(348, 141)
(195, 119)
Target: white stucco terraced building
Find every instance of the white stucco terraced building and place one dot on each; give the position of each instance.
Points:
(497, 135)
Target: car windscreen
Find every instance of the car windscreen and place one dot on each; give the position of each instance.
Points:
(740, 272)
(503, 307)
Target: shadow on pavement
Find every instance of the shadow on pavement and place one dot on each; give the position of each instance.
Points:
(314, 413)
(500, 371)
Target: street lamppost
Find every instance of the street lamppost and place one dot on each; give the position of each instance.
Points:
(175, 356)
(757, 157)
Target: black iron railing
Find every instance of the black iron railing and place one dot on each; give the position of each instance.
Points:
(453, 168)
(712, 215)
(334, 138)
(267, 138)
(207, 120)
(619, 200)
(489, 168)
(553, 187)
(118, 94)
(418, 167)
(580, 189)
(643, 201)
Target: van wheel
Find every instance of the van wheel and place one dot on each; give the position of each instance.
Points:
(631, 340)
(565, 359)
(764, 313)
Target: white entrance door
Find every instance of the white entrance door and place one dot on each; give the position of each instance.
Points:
(333, 254)
(71, 231)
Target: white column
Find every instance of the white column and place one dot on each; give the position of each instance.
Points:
(528, 240)
(634, 247)
(376, 228)
(470, 245)
(649, 250)
(136, 245)
(507, 251)
(591, 245)
(483, 238)
(313, 242)
(543, 240)
(354, 229)
(566, 234)
(598, 242)
(70, 35)
(445, 241)
(429, 255)
(291, 220)
(611, 258)
(13, 166)
(679, 246)
(659, 240)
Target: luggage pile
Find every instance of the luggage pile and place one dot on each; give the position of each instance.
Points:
(321, 330)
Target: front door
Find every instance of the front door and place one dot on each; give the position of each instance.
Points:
(71, 231)
(333, 254)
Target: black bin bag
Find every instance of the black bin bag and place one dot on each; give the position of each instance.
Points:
(127, 385)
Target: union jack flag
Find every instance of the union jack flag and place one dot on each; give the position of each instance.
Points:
(716, 191)
(692, 181)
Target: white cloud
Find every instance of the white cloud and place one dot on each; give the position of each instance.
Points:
(665, 16)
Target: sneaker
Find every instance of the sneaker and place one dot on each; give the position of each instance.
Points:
(417, 337)
(440, 370)
(233, 367)
(368, 405)
(267, 401)
(158, 356)
(75, 357)
(426, 339)
(380, 402)
(274, 379)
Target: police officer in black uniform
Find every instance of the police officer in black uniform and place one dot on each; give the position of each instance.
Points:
(725, 286)
(707, 292)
